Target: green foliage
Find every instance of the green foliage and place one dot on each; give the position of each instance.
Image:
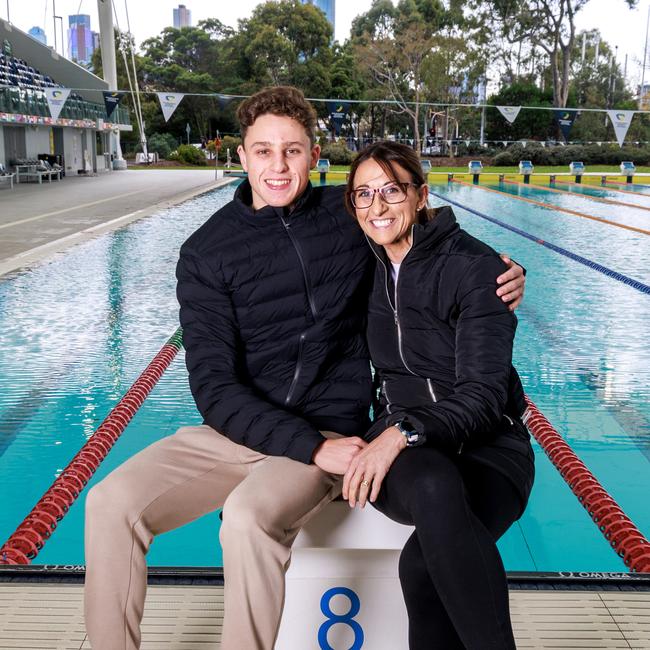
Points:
(161, 143)
(191, 155)
(337, 153)
(559, 155)
(229, 142)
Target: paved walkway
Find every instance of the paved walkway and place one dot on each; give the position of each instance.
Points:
(38, 220)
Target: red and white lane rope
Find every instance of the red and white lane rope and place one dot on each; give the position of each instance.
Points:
(625, 538)
(30, 536)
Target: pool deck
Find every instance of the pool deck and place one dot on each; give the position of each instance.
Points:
(38, 220)
(48, 616)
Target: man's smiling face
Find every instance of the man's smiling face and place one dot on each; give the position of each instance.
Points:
(277, 154)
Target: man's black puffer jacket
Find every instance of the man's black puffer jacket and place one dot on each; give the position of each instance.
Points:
(273, 309)
(442, 348)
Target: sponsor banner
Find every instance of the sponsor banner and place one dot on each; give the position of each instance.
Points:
(338, 112)
(56, 98)
(169, 103)
(565, 119)
(509, 112)
(621, 121)
(111, 99)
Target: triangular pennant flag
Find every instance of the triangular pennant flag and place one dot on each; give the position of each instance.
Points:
(565, 119)
(505, 143)
(224, 100)
(338, 112)
(169, 103)
(509, 112)
(111, 99)
(524, 143)
(56, 98)
(543, 144)
(467, 142)
(621, 121)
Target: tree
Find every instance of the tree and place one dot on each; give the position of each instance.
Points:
(546, 25)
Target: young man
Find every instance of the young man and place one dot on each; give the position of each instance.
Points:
(272, 292)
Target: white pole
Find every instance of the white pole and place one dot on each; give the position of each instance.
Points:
(645, 53)
(107, 43)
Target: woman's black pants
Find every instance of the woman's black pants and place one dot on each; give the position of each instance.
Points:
(450, 569)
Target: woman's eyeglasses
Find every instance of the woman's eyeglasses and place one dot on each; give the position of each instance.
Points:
(390, 193)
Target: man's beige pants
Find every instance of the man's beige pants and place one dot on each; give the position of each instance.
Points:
(265, 499)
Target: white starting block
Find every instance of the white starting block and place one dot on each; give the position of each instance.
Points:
(343, 590)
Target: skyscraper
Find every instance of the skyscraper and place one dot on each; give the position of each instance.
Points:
(328, 7)
(80, 38)
(39, 34)
(182, 17)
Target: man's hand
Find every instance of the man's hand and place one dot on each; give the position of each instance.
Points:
(368, 468)
(335, 456)
(512, 284)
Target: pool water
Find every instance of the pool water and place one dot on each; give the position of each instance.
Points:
(78, 329)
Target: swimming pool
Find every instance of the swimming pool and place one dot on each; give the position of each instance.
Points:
(78, 329)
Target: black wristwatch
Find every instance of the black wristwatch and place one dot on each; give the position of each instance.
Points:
(413, 438)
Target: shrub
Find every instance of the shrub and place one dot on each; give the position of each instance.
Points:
(337, 153)
(161, 143)
(191, 155)
(229, 142)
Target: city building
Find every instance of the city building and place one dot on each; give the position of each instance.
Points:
(79, 139)
(328, 7)
(81, 39)
(182, 17)
(39, 34)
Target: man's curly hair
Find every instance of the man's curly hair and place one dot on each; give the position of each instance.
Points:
(285, 101)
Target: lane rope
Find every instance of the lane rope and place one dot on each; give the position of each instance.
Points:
(555, 208)
(591, 197)
(30, 536)
(618, 529)
(639, 286)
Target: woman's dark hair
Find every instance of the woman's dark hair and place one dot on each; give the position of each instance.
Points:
(388, 154)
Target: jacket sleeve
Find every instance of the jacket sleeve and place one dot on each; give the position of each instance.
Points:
(485, 332)
(213, 350)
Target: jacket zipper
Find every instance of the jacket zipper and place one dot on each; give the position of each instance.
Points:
(431, 391)
(394, 308)
(312, 307)
(296, 372)
(383, 387)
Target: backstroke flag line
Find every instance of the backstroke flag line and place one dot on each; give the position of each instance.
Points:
(169, 103)
(621, 121)
(111, 99)
(56, 98)
(509, 112)
(565, 119)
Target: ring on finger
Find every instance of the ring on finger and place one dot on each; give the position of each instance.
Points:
(365, 483)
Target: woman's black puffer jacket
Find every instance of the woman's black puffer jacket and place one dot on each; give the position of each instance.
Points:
(441, 345)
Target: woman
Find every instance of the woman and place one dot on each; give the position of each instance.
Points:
(448, 450)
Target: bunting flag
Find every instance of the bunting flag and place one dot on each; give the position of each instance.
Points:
(467, 142)
(565, 119)
(338, 112)
(509, 112)
(524, 143)
(621, 121)
(505, 143)
(543, 144)
(111, 99)
(169, 103)
(56, 98)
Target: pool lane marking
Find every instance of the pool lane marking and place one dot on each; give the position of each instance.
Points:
(600, 199)
(549, 206)
(639, 286)
(611, 189)
(71, 209)
(624, 184)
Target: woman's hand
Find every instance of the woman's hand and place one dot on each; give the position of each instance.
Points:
(512, 283)
(369, 467)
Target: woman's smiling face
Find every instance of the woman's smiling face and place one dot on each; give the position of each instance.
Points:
(387, 224)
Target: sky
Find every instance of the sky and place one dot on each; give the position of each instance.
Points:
(619, 25)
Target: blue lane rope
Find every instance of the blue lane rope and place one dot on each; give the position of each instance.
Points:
(639, 286)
